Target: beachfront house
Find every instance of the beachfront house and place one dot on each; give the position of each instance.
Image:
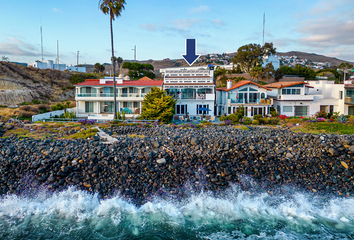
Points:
(292, 98)
(95, 97)
(348, 97)
(194, 89)
(331, 97)
(252, 96)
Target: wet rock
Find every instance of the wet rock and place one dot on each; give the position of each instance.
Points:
(161, 161)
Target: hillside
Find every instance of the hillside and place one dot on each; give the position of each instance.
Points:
(22, 84)
(313, 57)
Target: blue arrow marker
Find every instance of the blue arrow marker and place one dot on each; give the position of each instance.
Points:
(191, 49)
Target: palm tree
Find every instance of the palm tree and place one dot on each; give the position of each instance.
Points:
(114, 8)
(119, 61)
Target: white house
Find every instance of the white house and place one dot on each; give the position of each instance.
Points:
(331, 97)
(271, 59)
(193, 87)
(49, 64)
(252, 96)
(292, 98)
(95, 97)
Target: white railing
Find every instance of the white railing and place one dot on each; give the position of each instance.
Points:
(47, 115)
(296, 97)
(103, 95)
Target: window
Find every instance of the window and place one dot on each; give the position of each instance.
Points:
(331, 107)
(340, 94)
(89, 107)
(291, 91)
(300, 111)
(136, 104)
(262, 95)
(288, 109)
(253, 90)
(181, 109)
(243, 90)
(133, 90)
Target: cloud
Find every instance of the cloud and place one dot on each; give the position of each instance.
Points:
(327, 32)
(186, 23)
(57, 10)
(219, 22)
(200, 9)
(16, 47)
(151, 27)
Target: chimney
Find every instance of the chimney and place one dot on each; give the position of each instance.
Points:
(229, 84)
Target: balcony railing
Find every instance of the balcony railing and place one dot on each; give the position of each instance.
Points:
(103, 95)
(255, 101)
(349, 100)
(194, 96)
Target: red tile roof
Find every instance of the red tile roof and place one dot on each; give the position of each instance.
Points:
(96, 82)
(240, 84)
(280, 85)
(145, 79)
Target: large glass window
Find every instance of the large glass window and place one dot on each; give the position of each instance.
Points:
(287, 109)
(253, 98)
(288, 91)
(188, 93)
(300, 111)
(107, 107)
(181, 109)
(89, 107)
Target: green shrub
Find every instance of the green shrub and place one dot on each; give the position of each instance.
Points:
(84, 134)
(274, 121)
(26, 103)
(58, 106)
(3, 106)
(36, 101)
(247, 121)
(70, 87)
(293, 120)
(63, 88)
(257, 117)
(244, 128)
(255, 122)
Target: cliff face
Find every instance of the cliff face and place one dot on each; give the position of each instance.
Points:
(21, 84)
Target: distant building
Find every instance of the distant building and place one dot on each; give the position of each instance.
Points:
(271, 59)
(49, 64)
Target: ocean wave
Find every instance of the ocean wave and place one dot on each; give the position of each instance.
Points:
(235, 214)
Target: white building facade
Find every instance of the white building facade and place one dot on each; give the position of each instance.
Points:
(292, 99)
(252, 96)
(194, 89)
(54, 66)
(95, 97)
(271, 59)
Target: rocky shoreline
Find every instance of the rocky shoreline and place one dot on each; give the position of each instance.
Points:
(165, 160)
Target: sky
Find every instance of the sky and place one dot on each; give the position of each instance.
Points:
(159, 28)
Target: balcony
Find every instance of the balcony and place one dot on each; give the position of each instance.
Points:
(208, 96)
(349, 100)
(251, 102)
(295, 97)
(110, 95)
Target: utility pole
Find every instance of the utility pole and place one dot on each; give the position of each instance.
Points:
(77, 64)
(263, 27)
(42, 43)
(134, 49)
(58, 53)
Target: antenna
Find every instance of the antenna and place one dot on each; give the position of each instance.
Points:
(42, 43)
(58, 53)
(263, 26)
(134, 49)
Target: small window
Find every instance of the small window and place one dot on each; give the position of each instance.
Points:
(341, 94)
(243, 90)
(287, 109)
(253, 90)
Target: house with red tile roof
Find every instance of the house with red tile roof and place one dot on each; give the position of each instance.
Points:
(95, 97)
(252, 96)
(293, 99)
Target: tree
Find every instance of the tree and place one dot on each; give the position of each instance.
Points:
(159, 105)
(114, 9)
(99, 68)
(138, 70)
(306, 72)
(268, 71)
(119, 61)
(251, 55)
(344, 67)
(256, 72)
(283, 70)
(5, 59)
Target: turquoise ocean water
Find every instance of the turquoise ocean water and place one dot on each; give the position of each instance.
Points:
(235, 214)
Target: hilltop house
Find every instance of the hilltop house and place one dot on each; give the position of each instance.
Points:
(251, 95)
(95, 97)
(194, 89)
